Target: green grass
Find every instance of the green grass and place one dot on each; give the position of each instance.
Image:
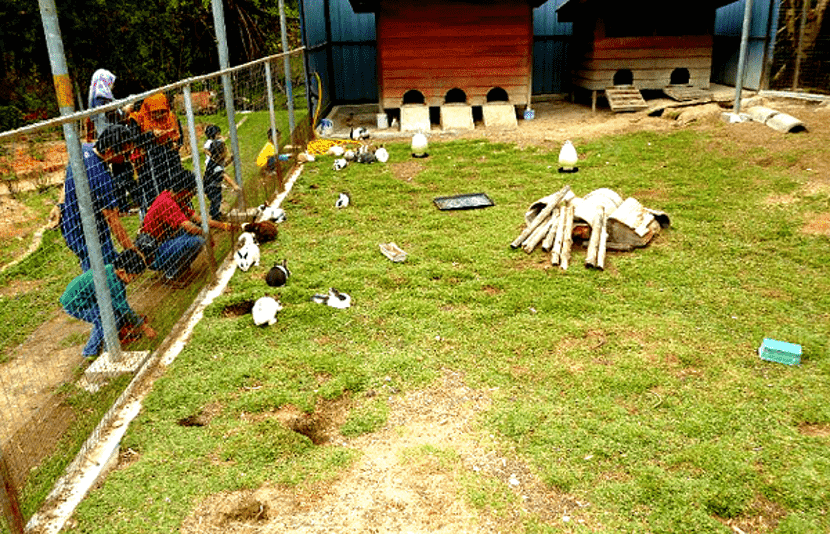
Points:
(636, 389)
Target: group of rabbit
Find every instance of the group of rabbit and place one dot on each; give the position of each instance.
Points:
(247, 255)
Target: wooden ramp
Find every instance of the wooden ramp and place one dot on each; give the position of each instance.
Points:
(686, 93)
(625, 98)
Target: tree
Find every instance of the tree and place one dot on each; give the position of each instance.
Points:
(147, 44)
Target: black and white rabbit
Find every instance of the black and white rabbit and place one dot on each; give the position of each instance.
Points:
(334, 298)
(247, 252)
(342, 201)
(278, 275)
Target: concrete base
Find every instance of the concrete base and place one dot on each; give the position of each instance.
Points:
(415, 118)
(104, 368)
(457, 117)
(499, 115)
(383, 121)
(734, 118)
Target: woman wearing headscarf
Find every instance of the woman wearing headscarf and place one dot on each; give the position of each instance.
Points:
(161, 161)
(155, 116)
(100, 93)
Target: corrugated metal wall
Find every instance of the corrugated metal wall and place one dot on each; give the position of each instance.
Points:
(550, 50)
(347, 59)
(728, 27)
(342, 49)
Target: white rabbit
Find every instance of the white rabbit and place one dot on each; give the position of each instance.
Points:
(340, 164)
(349, 155)
(247, 252)
(336, 151)
(382, 155)
(265, 311)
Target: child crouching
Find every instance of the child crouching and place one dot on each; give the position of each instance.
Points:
(79, 299)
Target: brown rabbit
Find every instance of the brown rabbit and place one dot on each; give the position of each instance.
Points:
(264, 231)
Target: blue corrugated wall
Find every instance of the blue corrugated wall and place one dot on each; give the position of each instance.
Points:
(347, 59)
(550, 50)
(728, 27)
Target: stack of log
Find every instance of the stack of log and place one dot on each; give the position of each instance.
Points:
(600, 217)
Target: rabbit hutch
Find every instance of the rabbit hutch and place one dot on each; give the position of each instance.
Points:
(451, 57)
(622, 48)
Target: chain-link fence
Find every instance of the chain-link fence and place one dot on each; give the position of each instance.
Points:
(102, 254)
(801, 61)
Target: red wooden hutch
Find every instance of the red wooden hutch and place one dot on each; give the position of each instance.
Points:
(437, 52)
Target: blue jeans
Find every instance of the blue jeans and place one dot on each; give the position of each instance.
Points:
(96, 337)
(175, 255)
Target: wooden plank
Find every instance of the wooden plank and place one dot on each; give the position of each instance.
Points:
(642, 53)
(677, 42)
(490, 64)
(625, 99)
(687, 93)
(649, 64)
(403, 52)
(458, 31)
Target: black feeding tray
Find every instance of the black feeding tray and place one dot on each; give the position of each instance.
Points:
(469, 201)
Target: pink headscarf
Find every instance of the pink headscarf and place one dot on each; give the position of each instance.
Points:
(101, 86)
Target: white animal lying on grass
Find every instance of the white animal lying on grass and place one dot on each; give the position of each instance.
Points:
(334, 298)
(269, 213)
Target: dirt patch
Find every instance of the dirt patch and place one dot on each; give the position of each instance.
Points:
(818, 224)
(406, 170)
(410, 477)
(32, 414)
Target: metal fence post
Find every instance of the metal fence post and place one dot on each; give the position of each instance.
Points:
(289, 93)
(739, 81)
(269, 84)
(197, 171)
(224, 63)
(63, 88)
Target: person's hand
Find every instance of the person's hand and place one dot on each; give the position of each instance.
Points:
(141, 255)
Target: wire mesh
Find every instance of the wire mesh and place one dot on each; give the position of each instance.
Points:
(152, 199)
(801, 61)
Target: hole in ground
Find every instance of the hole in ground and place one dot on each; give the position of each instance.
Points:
(238, 309)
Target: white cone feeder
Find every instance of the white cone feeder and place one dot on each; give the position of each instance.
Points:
(568, 158)
(419, 146)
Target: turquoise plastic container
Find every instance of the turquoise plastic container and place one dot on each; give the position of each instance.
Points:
(780, 351)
